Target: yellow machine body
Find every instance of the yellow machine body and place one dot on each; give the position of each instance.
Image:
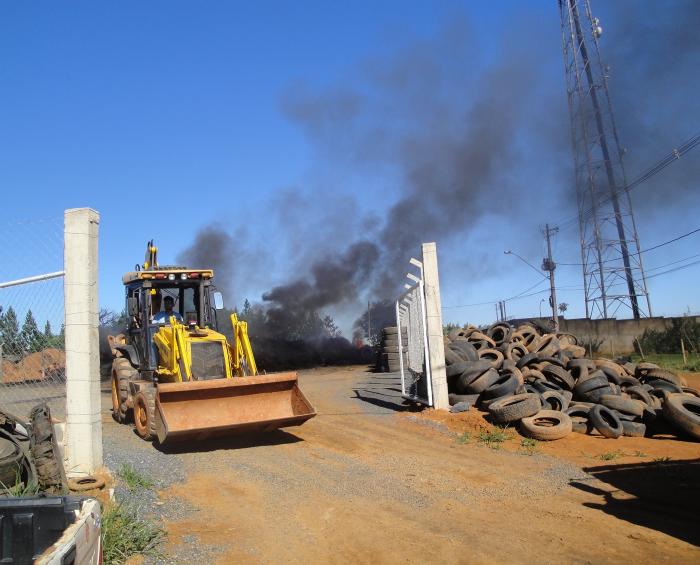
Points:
(203, 385)
(238, 400)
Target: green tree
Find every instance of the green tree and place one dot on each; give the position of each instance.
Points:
(9, 332)
(30, 335)
(48, 334)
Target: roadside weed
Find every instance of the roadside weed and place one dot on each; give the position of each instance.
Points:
(610, 455)
(124, 534)
(464, 438)
(494, 438)
(529, 445)
(133, 478)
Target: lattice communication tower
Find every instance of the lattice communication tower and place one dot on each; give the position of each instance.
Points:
(613, 274)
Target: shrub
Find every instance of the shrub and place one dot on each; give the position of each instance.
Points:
(669, 340)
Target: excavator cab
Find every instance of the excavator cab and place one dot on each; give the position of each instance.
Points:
(178, 375)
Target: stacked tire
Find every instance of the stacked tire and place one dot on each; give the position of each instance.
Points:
(390, 348)
(543, 383)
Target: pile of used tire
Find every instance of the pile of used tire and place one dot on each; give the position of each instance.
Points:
(543, 383)
(389, 349)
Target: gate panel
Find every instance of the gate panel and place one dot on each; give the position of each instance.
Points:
(414, 358)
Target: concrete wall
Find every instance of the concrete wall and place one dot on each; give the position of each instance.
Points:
(618, 335)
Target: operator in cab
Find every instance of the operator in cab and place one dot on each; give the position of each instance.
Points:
(163, 317)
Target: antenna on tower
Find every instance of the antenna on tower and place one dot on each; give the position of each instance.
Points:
(613, 275)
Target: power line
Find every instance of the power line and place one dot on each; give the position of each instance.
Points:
(521, 294)
(524, 293)
(643, 250)
(674, 262)
(672, 157)
(674, 269)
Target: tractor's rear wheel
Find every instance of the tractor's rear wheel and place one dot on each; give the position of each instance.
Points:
(122, 373)
(145, 414)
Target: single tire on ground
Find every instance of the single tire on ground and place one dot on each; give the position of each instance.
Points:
(546, 425)
(83, 484)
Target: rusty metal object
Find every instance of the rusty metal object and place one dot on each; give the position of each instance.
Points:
(203, 409)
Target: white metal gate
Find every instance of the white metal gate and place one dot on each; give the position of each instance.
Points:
(414, 357)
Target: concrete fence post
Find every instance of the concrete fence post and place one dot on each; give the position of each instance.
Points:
(83, 418)
(433, 311)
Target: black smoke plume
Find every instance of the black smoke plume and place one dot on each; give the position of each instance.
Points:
(213, 247)
(468, 143)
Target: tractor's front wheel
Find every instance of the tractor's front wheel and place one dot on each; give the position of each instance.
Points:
(122, 373)
(145, 414)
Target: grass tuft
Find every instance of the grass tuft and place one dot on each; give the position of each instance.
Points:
(610, 455)
(495, 437)
(133, 479)
(665, 459)
(529, 445)
(19, 489)
(640, 454)
(463, 438)
(124, 534)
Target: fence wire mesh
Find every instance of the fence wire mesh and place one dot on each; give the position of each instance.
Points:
(415, 369)
(32, 350)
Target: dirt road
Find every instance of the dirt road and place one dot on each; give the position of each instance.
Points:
(368, 481)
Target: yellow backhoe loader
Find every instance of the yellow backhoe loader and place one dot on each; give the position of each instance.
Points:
(178, 377)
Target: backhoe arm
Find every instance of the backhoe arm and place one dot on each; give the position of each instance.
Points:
(242, 351)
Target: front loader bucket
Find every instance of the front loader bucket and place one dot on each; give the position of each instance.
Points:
(201, 409)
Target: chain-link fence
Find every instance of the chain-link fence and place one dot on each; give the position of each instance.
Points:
(32, 341)
(415, 364)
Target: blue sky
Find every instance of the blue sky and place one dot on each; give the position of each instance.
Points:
(168, 116)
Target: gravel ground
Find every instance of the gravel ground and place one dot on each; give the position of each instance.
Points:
(367, 480)
(122, 446)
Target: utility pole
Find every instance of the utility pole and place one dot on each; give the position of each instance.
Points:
(549, 265)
